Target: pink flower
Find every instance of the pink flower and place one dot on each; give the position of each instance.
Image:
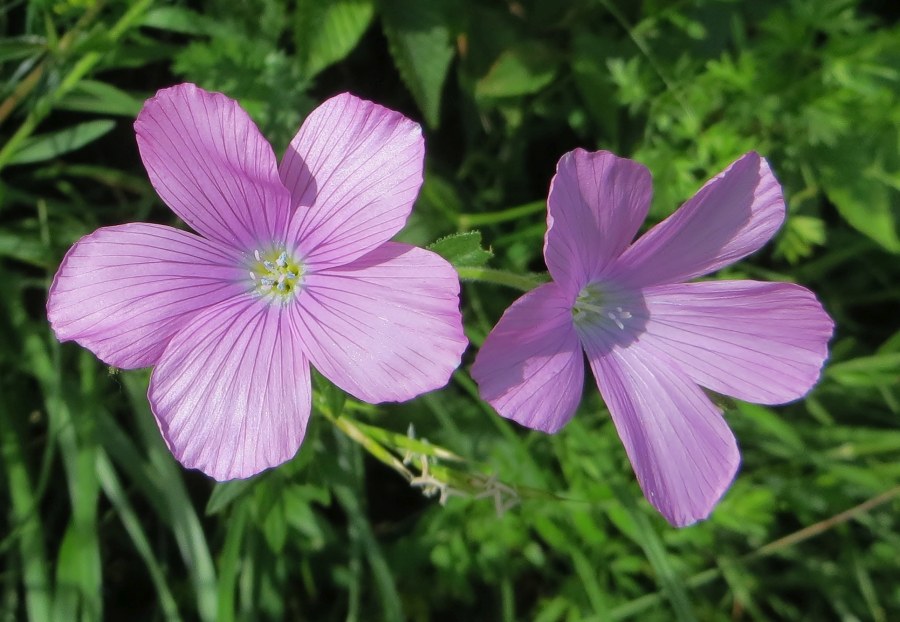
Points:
(292, 266)
(651, 338)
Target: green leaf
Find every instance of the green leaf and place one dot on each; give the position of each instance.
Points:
(521, 70)
(177, 19)
(13, 48)
(23, 245)
(801, 234)
(867, 371)
(101, 98)
(334, 397)
(420, 43)
(326, 32)
(225, 493)
(274, 526)
(861, 176)
(48, 146)
(462, 249)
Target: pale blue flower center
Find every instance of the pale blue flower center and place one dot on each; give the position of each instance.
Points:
(276, 274)
(594, 306)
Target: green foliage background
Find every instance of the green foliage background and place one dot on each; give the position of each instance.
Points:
(483, 520)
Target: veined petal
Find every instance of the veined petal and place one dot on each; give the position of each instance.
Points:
(122, 292)
(597, 203)
(231, 393)
(531, 366)
(760, 342)
(386, 327)
(680, 447)
(209, 163)
(354, 170)
(731, 216)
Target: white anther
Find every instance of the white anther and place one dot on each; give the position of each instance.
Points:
(615, 319)
(282, 260)
(256, 254)
(252, 275)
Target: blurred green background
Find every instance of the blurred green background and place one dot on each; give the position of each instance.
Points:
(483, 520)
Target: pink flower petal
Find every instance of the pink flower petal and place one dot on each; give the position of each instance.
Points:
(231, 393)
(386, 327)
(122, 292)
(597, 203)
(682, 451)
(760, 342)
(354, 170)
(531, 366)
(209, 163)
(733, 215)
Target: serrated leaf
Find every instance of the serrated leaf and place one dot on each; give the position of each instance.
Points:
(799, 237)
(521, 70)
(420, 43)
(462, 249)
(48, 146)
(328, 31)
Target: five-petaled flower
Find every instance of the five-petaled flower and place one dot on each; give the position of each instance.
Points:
(650, 337)
(292, 266)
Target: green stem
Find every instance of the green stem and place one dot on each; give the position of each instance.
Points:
(375, 449)
(523, 283)
(467, 221)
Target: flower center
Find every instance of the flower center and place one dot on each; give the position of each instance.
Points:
(276, 274)
(593, 306)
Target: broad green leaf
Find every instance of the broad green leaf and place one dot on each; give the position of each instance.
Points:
(177, 19)
(420, 43)
(48, 146)
(462, 249)
(521, 70)
(328, 31)
(860, 178)
(23, 245)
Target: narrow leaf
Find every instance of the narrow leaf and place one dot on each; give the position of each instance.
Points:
(48, 146)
